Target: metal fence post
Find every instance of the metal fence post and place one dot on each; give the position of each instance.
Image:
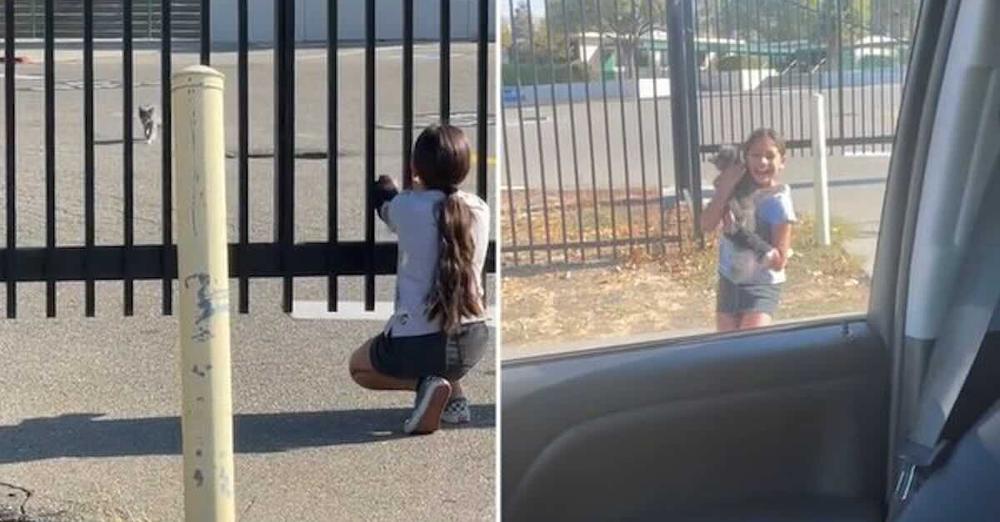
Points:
(284, 142)
(682, 112)
(694, 163)
(678, 95)
(203, 272)
(820, 189)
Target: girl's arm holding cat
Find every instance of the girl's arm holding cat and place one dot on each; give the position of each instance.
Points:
(712, 215)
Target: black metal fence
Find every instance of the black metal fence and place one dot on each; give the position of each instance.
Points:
(146, 16)
(611, 106)
(285, 257)
(771, 55)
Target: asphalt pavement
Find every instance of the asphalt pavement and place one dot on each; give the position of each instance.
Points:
(90, 423)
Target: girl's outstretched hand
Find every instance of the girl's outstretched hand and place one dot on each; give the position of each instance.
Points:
(387, 183)
(383, 191)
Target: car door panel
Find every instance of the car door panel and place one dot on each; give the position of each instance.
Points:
(667, 431)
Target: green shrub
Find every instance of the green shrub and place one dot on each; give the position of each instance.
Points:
(877, 62)
(736, 62)
(577, 72)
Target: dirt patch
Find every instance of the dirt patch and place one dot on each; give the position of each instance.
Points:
(584, 226)
(672, 292)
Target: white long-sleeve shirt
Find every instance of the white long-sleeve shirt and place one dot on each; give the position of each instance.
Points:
(412, 216)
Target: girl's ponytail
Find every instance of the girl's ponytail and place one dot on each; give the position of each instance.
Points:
(455, 293)
(441, 160)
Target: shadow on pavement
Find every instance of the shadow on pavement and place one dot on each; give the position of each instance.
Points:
(85, 435)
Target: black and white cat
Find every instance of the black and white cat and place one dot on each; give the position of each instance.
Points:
(752, 250)
(150, 122)
(742, 206)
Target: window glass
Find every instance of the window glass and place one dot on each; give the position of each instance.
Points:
(621, 220)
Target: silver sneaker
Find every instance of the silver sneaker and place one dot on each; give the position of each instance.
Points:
(432, 396)
(457, 411)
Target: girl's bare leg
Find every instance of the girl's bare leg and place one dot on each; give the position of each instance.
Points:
(754, 320)
(726, 322)
(364, 374)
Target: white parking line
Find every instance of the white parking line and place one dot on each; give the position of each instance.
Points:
(527, 121)
(322, 55)
(36, 77)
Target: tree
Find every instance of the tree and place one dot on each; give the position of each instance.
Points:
(529, 32)
(506, 38)
(829, 23)
(624, 24)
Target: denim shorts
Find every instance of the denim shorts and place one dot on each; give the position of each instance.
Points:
(739, 299)
(448, 356)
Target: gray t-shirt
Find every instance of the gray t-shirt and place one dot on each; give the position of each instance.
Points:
(772, 206)
(412, 216)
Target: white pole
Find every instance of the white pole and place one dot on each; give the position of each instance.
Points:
(821, 192)
(203, 274)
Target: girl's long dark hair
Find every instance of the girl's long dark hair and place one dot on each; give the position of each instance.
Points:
(441, 159)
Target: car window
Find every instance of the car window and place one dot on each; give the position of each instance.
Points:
(621, 220)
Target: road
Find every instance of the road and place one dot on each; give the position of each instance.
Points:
(603, 149)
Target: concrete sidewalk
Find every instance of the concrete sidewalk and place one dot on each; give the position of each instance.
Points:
(90, 428)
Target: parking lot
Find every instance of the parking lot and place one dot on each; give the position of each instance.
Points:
(90, 424)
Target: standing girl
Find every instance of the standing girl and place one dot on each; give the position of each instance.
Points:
(438, 331)
(751, 206)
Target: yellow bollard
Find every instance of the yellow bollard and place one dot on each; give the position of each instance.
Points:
(203, 274)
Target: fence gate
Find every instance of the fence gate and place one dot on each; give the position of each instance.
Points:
(759, 62)
(142, 174)
(612, 106)
(67, 21)
(586, 141)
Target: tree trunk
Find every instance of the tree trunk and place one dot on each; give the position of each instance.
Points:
(628, 57)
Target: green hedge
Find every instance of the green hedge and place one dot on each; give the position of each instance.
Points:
(734, 62)
(578, 72)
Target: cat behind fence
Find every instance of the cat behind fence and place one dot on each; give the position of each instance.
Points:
(150, 122)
